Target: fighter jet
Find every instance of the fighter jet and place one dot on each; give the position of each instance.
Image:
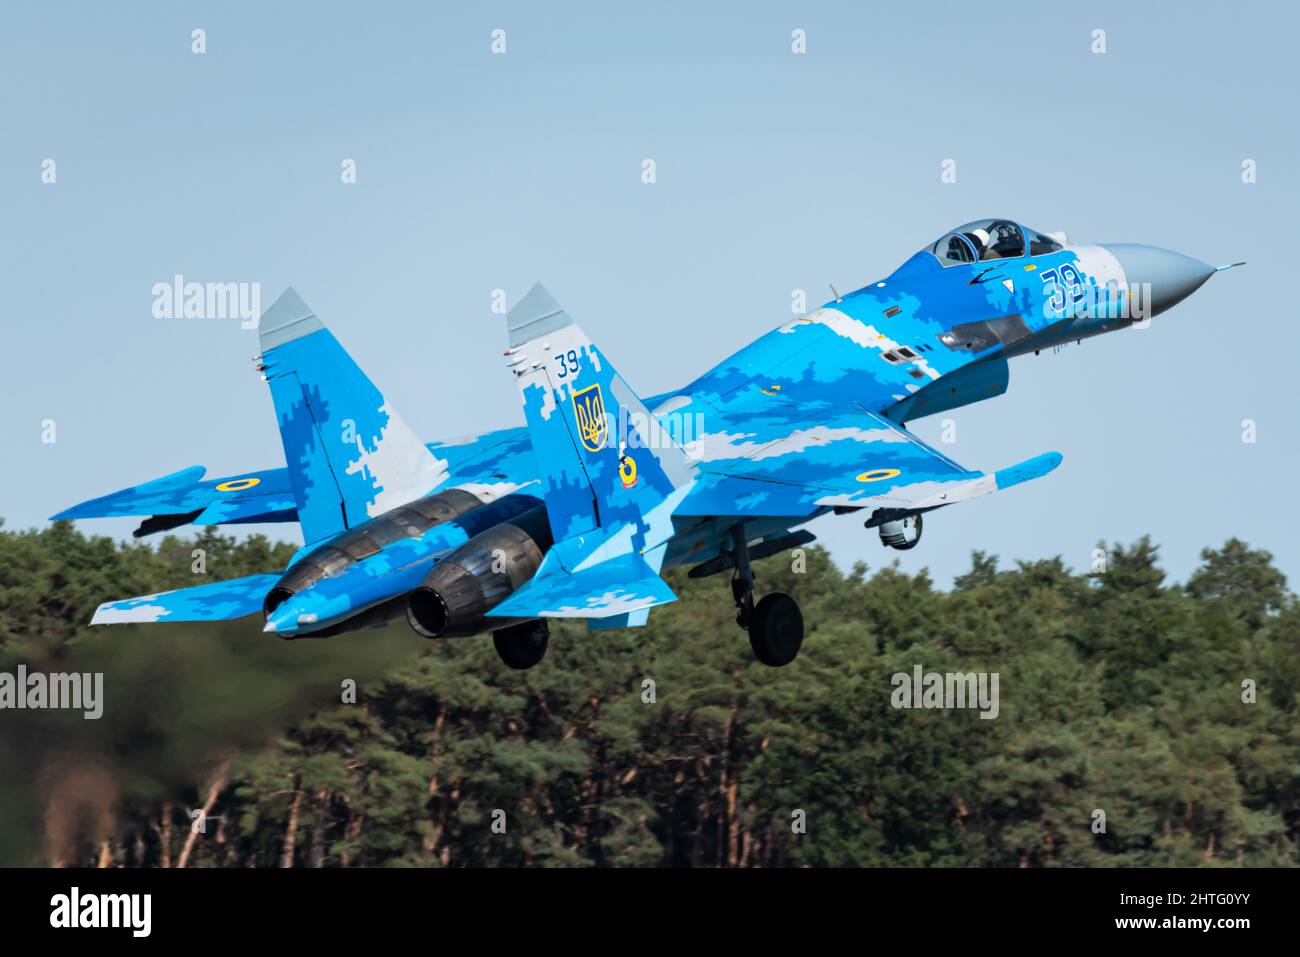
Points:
(579, 512)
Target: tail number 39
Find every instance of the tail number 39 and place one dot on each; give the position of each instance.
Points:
(567, 363)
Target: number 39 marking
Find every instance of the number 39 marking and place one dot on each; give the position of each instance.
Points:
(568, 362)
(1063, 285)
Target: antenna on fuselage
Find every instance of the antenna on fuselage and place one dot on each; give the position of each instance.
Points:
(837, 296)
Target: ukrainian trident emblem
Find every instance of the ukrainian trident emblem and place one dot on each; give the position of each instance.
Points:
(589, 413)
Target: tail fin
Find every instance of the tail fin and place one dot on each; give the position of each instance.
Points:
(605, 461)
(348, 453)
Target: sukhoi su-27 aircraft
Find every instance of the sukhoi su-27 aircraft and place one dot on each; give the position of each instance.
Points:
(577, 514)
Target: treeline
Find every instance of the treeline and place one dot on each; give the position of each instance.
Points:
(1166, 713)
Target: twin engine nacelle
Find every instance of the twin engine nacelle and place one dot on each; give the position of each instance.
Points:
(408, 521)
(457, 594)
(462, 587)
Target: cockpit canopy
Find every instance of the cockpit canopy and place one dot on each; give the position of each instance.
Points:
(987, 239)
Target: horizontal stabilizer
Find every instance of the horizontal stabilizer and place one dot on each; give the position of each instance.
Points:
(215, 601)
(615, 586)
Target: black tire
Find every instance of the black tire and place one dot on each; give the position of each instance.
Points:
(522, 646)
(776, 630)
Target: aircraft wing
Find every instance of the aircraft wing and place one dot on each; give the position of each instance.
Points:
(789, 426)
(184, 497)
(779, 460)
(498, 462)
(774, 461)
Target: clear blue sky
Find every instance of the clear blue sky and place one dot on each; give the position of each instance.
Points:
(775, 172)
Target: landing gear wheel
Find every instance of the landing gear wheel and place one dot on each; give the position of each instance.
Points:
(776, 629)
(522, 646)
(902, 534)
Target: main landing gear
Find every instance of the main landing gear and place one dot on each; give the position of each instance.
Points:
(775, 624)
(522, 646)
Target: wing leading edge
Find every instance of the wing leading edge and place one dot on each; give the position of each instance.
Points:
(184, 498)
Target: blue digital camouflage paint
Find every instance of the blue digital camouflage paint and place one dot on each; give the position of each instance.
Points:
(805, 420)
(350, 456)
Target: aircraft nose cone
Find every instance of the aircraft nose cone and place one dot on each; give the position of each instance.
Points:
(1172, 276)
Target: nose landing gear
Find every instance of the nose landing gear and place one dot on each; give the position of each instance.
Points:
(775, 624)
(902, 533)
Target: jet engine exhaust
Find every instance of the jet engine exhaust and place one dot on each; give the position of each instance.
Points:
(462, 588)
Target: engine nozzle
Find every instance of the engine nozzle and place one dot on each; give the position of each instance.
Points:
(457, 594)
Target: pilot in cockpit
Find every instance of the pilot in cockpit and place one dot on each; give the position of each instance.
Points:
(988, 239)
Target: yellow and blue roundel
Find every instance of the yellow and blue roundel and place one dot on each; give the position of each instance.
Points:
(238, 485)
(627, 470)
(589, 413)
(878, 475)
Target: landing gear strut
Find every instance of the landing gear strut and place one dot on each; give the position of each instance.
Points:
(775, 624)
(522, 646)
